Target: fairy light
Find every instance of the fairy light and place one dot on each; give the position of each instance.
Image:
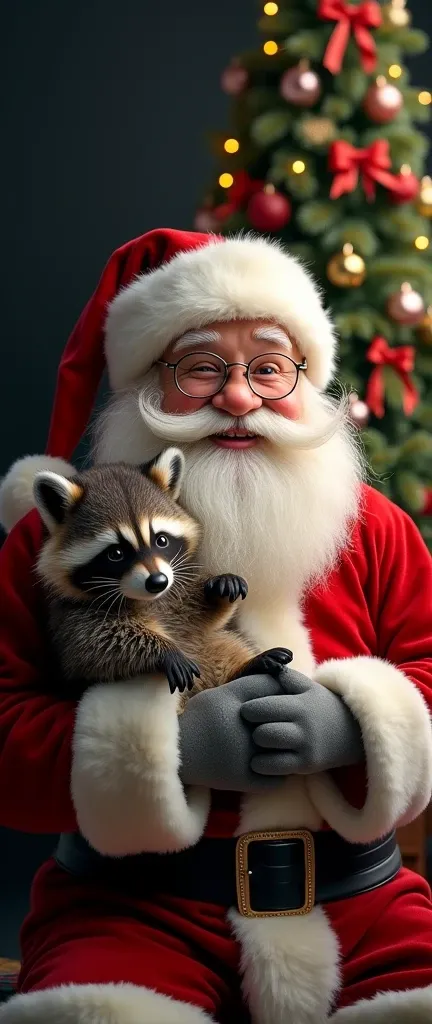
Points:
(395, 70)
(270, 47)
(270, 9)
(298, 166)
(425, 97)
(226, 180)
(421, 242)
(231, 146)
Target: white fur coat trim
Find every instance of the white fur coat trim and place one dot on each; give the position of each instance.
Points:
(16, 487)
(411, 1007)
(397, 737)
(125, 784)
(99, 1004)
(246, 277)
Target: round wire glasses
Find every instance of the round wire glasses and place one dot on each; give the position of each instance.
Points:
(203, 374)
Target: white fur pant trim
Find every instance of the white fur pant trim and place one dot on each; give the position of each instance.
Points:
(99, 1004)
(412, 1007)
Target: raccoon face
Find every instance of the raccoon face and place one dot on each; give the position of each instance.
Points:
(116, 531)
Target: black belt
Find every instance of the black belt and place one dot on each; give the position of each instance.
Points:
(263, 873)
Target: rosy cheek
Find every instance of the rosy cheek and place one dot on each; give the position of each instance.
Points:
(174, 401)
(289, 407)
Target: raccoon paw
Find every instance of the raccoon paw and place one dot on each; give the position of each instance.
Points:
(270, 662)
(228, 586)
(180, 671)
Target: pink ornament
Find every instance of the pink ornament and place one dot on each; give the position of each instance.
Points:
(406, 306)
(382, 101)
(300, 86)
(205, 221)
(359, 413)
(269, 210)
(234, 79)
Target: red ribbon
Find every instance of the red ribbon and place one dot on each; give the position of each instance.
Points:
(401, 361)
(239, 193)
(371, 163)
(357, 19)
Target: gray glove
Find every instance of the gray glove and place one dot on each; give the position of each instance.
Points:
(216, 745)
(306, 729)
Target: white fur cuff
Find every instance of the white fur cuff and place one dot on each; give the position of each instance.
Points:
(125, 785)
(397, 737)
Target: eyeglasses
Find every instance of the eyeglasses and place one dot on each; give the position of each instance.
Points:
(203, 374)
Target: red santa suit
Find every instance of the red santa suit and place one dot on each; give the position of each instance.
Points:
(63, 767)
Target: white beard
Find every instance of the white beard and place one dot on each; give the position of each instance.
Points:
(279, 514)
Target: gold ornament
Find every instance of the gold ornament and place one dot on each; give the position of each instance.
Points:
(424, 205)
(424, 329)
(346, 269)
(318, 131)
(395, 14)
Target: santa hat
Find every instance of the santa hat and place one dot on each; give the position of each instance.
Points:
(152, 290)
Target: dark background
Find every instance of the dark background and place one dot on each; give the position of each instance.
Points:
(106, 107)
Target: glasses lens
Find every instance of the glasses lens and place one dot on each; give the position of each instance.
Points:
(200, 374)
(273, 375)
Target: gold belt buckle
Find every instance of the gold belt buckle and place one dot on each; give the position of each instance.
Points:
(243, 873)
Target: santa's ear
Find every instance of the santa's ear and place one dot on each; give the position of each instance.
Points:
(54, 497)
(166, 471)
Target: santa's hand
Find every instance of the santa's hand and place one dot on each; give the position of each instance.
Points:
(303, 730)
(216, 743)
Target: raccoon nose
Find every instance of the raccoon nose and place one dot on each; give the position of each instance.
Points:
(156, 582)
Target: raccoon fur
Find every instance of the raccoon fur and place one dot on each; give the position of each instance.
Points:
(125, 597)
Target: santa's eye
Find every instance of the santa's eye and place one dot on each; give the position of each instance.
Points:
(115, 553)
(161, 540)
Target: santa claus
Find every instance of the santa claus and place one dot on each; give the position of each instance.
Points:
(280, 898)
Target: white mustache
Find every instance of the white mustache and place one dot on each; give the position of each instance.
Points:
(205, 422)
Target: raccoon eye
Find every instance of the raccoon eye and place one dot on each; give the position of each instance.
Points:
(114, 554)
(161, 540)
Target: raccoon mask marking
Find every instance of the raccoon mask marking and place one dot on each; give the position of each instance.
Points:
(127, 547)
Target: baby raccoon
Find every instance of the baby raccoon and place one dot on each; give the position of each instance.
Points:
(124, 596)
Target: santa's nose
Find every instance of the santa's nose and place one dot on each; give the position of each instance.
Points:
(236, 397)
(156, 583)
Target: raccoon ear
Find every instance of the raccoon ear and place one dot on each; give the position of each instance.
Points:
(54, 497)
(166, 471)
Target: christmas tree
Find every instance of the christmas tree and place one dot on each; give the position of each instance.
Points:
(323, 153)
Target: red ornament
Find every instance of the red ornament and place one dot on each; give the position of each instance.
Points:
(269, 210)
(408, 187)
(300, 86)
(406, 306)
(382, 101)
(234, 79)
(427, 507)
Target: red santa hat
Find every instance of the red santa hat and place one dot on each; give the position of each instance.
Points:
(152, 290)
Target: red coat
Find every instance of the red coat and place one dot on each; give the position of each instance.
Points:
(378, 603)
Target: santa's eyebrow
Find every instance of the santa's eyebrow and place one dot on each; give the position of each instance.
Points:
(272, 334)
(201, 337)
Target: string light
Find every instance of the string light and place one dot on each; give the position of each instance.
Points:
(298, 166)
(421, 242)
(270, 9)
(231, 146)
(226, 180)
(395, 70)
(425, 97)
(270, 47)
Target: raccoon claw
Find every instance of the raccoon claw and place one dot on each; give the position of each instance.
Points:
(228, 586)
(270, 662)
(180, 672)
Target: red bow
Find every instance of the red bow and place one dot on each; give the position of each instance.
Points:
(372, 163)
(401, 361)
(241, 190)
(359, 19)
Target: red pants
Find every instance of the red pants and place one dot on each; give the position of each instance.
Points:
(77, 933)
